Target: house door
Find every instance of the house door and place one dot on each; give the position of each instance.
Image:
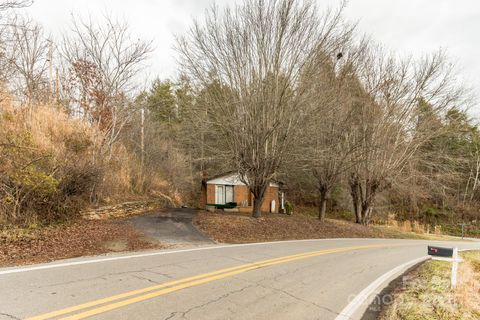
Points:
(219, 194)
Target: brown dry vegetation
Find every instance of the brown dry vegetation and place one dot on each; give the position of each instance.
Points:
(427, 293)
(94, 137)
(80, 238)
(241, 228)
(51, 170)
(51, 167)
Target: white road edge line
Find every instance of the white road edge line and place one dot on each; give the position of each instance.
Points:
(158, 253)
(52, 265)
(363, 297)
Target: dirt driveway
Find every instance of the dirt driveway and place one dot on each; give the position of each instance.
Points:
(171, 227)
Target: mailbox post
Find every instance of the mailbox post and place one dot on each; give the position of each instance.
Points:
(454, 268)
(447, 254)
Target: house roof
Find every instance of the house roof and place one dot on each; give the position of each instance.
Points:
(235, 179)
(225, 174)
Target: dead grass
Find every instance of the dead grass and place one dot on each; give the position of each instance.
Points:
(241, 228)
(468, 293)
(400, 233)
(75, 239)
(427, 294)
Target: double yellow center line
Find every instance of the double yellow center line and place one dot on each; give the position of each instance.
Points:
(121, 300)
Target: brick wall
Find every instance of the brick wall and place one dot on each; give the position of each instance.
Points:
(241, 193)
(270, 194)
(210, 193)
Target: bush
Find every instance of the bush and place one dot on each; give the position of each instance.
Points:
(46, 165)
(288, 208)
(52, 166)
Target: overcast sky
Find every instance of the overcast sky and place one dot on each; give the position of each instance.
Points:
(411, 27)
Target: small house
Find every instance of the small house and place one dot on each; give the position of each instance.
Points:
(229, 191)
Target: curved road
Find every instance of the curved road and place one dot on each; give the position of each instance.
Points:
(310, 279)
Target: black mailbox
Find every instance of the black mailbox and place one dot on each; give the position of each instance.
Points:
(440, 252)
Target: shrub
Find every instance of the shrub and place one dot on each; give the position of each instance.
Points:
(288, 208)
(46, 164)
(52, 166)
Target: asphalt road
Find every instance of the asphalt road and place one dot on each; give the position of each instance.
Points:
(171, 226)
(283, 280)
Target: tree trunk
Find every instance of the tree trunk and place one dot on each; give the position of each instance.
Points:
(322, 204)
(356, 201)
(371, 188)
(366, 213)
(357, 208)
(363, 198)
(259, 195)
(257, 207)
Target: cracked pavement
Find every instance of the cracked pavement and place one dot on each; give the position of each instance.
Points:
(312, 288)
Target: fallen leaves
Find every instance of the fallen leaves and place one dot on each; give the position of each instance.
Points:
(241, 228)
(79, 238)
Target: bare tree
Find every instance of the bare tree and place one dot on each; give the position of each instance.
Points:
(103, 61)
(8, 22)
(14, 4)
(325, 153)
(255, 53)
(386, 126)
(324, 149)
(30, 59)
(474, 168)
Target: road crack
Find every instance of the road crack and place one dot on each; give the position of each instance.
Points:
(291, 294)
(145, 278)
(301, 299)
(166, 275)
(10, 316)
(105, 277)
(224, 296)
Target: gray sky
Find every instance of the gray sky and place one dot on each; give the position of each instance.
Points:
(409, 27)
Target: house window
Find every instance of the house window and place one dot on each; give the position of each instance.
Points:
(223, 194)
(228, 194)
(219, 194)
